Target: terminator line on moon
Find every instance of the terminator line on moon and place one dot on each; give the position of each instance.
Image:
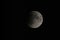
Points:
(35, 20)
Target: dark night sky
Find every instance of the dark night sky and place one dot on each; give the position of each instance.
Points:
(20, 14)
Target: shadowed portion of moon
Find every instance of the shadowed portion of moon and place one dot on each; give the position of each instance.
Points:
(35, 19)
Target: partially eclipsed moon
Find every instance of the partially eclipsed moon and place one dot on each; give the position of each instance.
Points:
(35, 20)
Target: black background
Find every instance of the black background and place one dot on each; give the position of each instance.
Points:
(20, 10)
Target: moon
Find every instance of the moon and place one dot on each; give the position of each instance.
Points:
(35, 19)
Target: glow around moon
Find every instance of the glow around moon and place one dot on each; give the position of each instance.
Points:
(35, 20)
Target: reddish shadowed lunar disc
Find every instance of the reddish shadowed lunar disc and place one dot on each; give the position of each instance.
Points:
(35, 19)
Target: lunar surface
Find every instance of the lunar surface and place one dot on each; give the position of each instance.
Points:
(35, 19)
